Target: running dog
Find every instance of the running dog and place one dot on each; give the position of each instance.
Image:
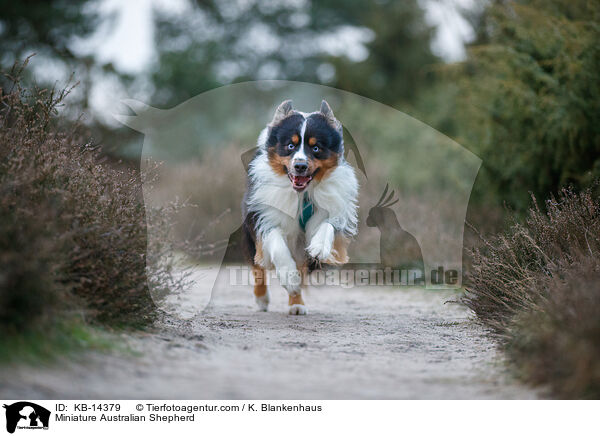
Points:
(300, 205)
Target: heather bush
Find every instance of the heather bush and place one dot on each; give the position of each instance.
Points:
(559, 342)
(537, 285)
(73, 239)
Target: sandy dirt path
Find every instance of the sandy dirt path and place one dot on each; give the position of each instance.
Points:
(354, 344)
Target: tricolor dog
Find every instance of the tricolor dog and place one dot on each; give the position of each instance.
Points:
(300, 206)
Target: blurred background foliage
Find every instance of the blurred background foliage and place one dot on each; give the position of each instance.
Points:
(296, 41)
(528, 98)
(525, 99)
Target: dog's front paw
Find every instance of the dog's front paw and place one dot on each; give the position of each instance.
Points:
(290, 279)
(321, 243)
(298, 309)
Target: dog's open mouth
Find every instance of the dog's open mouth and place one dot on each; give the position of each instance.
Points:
(299, 183)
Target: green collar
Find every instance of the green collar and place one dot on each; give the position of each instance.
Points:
(307, 211)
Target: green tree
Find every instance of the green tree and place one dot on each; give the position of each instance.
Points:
(225, 42)
(48, 28)
(42, 25)
(529, 97)
(399, 58)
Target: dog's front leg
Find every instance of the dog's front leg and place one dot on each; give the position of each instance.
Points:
(321, 238)
(277, 251)
(320, 235)
(326, 245)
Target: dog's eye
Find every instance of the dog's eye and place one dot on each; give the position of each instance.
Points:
(291, 146)
(316, 149)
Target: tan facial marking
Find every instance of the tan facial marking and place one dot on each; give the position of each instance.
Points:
(279, 163)
(324, 166)
(295, 139)
(312, 141)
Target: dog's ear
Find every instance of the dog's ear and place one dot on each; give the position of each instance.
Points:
(327, 112)
(282, 111)
(331, 119)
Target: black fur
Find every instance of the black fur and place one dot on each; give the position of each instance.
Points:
(248, 236)
(281, 135)
(328, 139)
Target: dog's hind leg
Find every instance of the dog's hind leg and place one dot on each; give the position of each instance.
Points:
(261, 292)
(296, 303)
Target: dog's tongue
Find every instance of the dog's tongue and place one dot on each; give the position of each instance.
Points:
(300, 182)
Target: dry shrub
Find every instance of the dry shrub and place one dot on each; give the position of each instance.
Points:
(537, 285)
(559, 342)
(73, 237)
(207, 214)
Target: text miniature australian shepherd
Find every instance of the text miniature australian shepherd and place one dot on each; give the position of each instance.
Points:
(300, 206)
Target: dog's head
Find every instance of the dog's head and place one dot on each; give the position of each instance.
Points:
(304, 146)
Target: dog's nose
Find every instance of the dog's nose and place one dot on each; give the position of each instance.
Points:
(301, 167)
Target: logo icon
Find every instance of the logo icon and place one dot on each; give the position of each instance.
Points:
(26, 415)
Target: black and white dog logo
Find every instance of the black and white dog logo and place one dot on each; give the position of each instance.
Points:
(26, 415)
